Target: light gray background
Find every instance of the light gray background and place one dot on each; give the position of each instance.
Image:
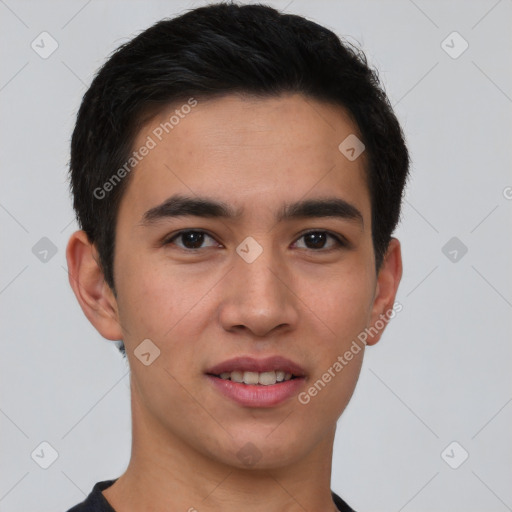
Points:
(440, 374)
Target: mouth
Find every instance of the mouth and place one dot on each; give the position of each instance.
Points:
(253, 371)
(249, 378)
(257, 382)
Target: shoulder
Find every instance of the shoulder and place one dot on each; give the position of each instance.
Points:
(340, 504)
(95, 502)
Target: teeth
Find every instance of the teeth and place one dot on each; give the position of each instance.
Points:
(267, 378)
(237, 376)
(253, 378)
(250, 377)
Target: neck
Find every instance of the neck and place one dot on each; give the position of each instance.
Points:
(166, 473)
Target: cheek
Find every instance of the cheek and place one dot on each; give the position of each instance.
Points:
(146, 298)
(344, 305)
(342, 300)
(329, 392)
(161, 302)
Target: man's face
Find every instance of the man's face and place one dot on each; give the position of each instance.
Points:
(202, 302)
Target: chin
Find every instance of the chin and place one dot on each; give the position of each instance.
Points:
(261, 450)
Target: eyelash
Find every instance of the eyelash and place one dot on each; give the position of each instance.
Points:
(340, 241)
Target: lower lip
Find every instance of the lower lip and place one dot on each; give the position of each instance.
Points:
(257, 395)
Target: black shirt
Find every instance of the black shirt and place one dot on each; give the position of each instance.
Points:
(96, 502)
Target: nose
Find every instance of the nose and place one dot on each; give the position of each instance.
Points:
(259, 296)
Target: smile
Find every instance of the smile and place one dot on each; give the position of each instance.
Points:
(255, 378)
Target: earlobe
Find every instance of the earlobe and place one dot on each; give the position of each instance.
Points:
(388, 280)
(88, 283)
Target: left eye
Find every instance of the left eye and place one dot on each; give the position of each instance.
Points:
(192, 240)
(318, 238)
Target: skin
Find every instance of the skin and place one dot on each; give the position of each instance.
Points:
(295, 300)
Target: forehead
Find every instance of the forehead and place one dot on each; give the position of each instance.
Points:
(247, 150)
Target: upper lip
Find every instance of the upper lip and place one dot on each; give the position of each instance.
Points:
(251, 364)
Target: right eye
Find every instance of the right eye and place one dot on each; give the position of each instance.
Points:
(191, 239)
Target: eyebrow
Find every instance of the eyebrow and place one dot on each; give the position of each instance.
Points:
(180, 205)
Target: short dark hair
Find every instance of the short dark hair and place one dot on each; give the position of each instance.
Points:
(213, 51)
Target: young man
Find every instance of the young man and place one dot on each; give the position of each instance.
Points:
(238, 174)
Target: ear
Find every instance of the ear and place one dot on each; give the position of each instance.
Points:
(388, 280)
(94, 295)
